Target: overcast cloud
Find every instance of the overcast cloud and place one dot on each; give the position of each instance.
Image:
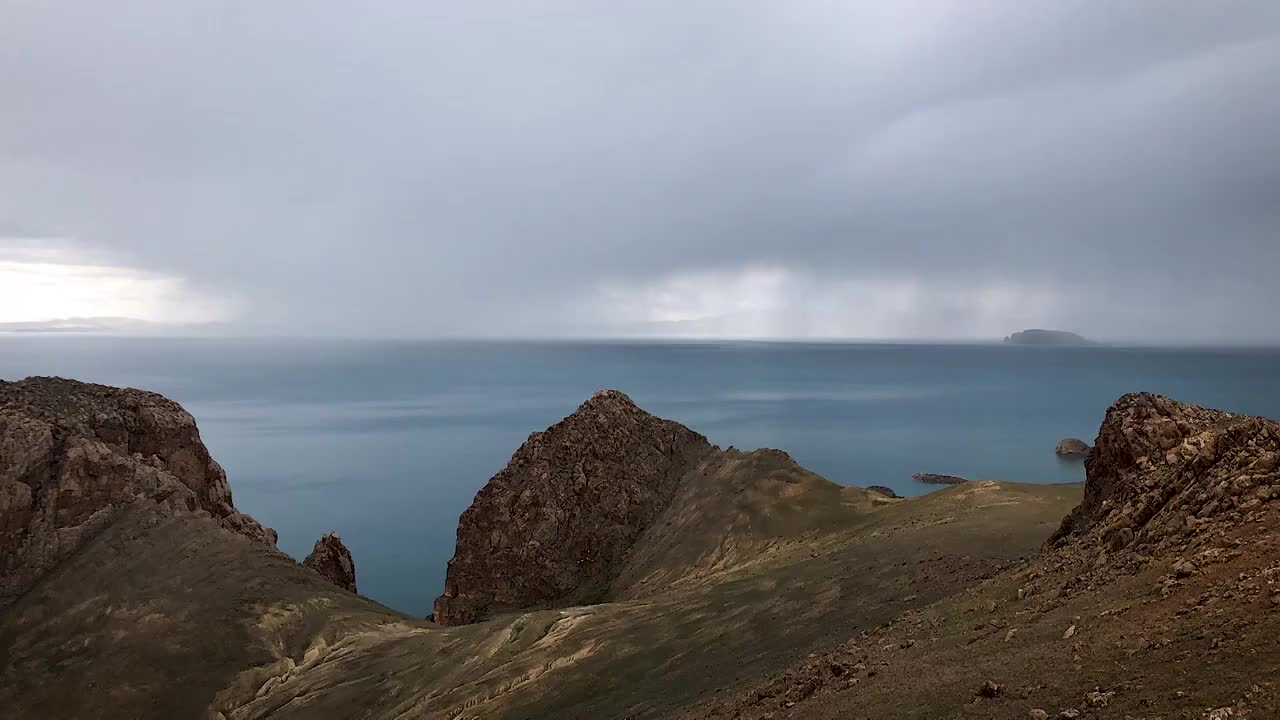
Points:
(784, 169)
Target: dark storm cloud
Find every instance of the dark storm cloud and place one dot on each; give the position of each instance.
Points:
(810, 168)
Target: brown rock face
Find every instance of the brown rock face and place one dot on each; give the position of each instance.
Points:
(553, 528)
(71, 453)
(1164, 470)
(333, 560)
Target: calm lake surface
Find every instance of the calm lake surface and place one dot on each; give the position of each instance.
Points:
(387, 442)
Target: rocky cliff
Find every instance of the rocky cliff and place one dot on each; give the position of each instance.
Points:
(72, 453)
(554, 526)
(1163, 470)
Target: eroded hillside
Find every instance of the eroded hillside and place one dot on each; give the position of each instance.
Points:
(731, 584)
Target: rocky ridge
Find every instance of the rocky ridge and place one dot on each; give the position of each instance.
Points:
(554, 526)
(72, 454)
(1157, 597)
(1166, 477)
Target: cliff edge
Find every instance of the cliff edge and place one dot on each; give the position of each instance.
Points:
(1164, 470)
(73, 453)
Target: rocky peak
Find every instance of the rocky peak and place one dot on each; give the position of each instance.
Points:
(333, 560)
(72, 453)
(1163, 471)
(554, 527)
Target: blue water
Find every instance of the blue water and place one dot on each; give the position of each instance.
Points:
(387, 442)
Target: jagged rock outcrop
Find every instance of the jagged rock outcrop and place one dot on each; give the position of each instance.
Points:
(883, 490)
(553, 528)
(72, 453)
(1163, 470)
(1072, 448)
(333, 560)
(937, 479)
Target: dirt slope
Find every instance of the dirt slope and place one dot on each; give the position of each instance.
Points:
(1158, 597)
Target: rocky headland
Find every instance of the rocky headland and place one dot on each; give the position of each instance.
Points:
(553, 528)
(71, 454)
(623, 567)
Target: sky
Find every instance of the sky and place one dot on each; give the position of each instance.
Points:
(806, 169)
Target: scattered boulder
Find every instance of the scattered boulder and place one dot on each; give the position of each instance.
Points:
(1098, 699)
(553, 528)
(990, 689)
(886, 491)
(333, 560)
(936, 479)
(1038, 714)
(1073, 448)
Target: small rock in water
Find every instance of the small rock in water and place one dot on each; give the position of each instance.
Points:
(938, 479)
(1072, 448)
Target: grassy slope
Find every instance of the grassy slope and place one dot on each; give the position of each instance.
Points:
(758, 563)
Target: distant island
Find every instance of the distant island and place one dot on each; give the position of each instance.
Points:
(1047, 337)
